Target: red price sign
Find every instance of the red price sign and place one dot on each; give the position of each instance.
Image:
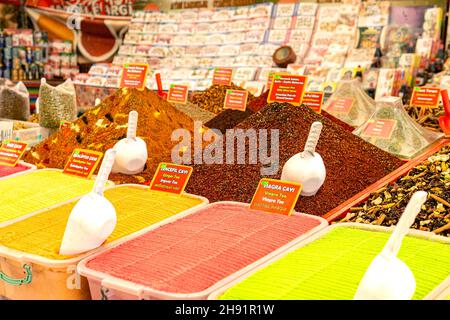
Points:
(64, 124)
(236, 100)
(222, 76)
(340, 105)
(313, 100)
(287, 88)
(178, 94)
(276, 196)
(83, 163)
(270, 78)
(171, 178)
(134, 75)
(11, 152)
(380, 128)
(425, 97)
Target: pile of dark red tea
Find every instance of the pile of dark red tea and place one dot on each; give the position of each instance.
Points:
(351, 163)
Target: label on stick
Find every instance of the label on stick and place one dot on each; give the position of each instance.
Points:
(222, 76)
(11, 152)
(178, 94)
(82, 163)
(340, 105)
(380, 128)
(134, 75)
(236, 100)
(287, 88)
(276, 196)
(425, 97)
(313, 100)
(171, 178)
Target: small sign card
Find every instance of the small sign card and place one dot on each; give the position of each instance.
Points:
(170, 177)
(425, 97)
(11, 152)
(276, 196)
(134, 75)
(313, 100)
(222, 76)
(82, 163)
(380, 128)
(287, 88)
(236, 100)
(178, 94)
(340, 105)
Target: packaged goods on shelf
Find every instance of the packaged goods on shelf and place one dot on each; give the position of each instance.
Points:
(36, 240)
(336, 146)
(391, 129)
(209, 247)
(318, 268)
(101, 127)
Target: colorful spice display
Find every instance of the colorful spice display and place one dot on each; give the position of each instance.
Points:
(100, 128)
(195, 113)
(212, 99)
(386, 205)
(228, 119)
(351, 163)
(259, 102)
(332, 267)
(193, 253)
(426, 117)
(6, 171)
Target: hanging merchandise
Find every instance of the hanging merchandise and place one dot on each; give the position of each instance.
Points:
(14, 101)
(350, 103)
(391, 129)
(56, 104)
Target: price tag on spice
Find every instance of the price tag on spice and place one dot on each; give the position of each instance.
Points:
(270, 78)
(11, 152)
(134, 75)
(64, 124)
(178, 94)
(171, 178)
(340, 105)
(83, 163)
(380, 128)
(425, 97)
(276, 196)
(313, 100)
(236, 100)
(222, 76)
(287, 88)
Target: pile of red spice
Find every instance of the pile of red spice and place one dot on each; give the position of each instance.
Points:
(351, 163)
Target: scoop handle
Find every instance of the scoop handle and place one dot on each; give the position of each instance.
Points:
(313, 137)
(445, 101)
(132, 124)
(105, 170)
(406, 220)
(97, 101)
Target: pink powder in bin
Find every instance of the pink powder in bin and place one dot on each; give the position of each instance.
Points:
(7, 171)
(194, 253)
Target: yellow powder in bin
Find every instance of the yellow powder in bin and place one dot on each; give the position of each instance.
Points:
(38, 190)
(136, 208)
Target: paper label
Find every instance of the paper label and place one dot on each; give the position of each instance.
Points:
(425, 97)
(340, 105)
(380, 128)
(276, 196)
(287, 88)
(313, 100)
(11, 152)
(171, 178)
(236, 100)
(270, 78)
(178, 94)
(82, 163)
(134, 75)
(222, 76)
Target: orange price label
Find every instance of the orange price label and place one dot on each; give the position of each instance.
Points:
(178, 94)
(287, 88)
(236, 100)
(340, 105)
(170, 177)
(64, 124)
(380, 128)
(82, 163)
(222, 76)
(276, 196)
(11, 152)
(270, 78)
(313, 100)
(425, 97)
(134, 75)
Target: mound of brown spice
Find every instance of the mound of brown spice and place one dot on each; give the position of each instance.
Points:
(228, 119)
(100, 128)
(352, 164)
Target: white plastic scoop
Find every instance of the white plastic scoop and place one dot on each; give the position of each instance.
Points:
(307, 167)
(93, 218)
(389, 278)
(131, 151)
